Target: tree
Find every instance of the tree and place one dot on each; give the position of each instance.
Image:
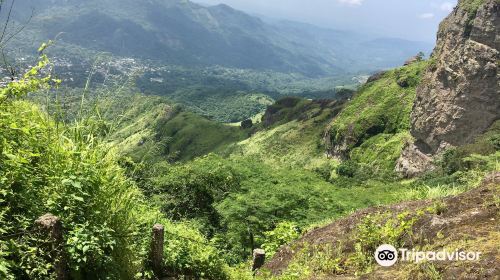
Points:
(420, 56)
(246, 124)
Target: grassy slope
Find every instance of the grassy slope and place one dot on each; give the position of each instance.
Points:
(375, 126)
(293, 138)
(149, 128)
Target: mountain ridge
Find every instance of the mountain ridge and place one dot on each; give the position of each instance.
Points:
(183, 32)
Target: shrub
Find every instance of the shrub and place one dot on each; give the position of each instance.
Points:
(375, 230)
(284, 233)
(348, 168)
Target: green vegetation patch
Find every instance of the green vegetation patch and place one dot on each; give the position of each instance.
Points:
(188, 135)
(49, 167)
(383, 106)
(222, 104)
(380, 153)
(291, 134)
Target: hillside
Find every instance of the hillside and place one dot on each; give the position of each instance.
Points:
(144, 128)
(391, 112)
(343, 249)
(237, 133)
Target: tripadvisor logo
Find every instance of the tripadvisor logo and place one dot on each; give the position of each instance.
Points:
(387, 255)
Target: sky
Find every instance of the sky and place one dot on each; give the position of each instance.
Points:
(409, 19)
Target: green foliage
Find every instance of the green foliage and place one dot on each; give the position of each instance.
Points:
(441, 184)
(376, 230)
(186, 252)
(348, 168)
(474, 155)
(378, 155)
(222, 104)
(431, 192)
(144, 128)
(379, 107)
(90, 245)
(193, 136)
(36, 78)
(284, 233)
(191, 191)
(46, 166)
(291, 135)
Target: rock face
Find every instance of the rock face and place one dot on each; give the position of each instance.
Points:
(459, 96)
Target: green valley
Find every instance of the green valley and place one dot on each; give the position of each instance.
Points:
(231, 133)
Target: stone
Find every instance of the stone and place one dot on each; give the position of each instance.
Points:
(259, 258)
(459, 97)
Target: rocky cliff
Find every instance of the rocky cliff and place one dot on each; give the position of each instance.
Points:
(459, 96)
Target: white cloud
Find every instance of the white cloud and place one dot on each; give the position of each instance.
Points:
(351, 2)
(447, 7)
(426, 16)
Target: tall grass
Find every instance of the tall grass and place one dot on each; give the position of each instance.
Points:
(47, 166)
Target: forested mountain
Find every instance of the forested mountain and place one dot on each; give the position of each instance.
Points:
(212, 59)
(184, 33)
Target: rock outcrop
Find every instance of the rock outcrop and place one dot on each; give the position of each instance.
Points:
(459, 96)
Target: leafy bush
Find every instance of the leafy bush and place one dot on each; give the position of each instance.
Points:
(284, 233)
(375, 230)
(191, 191)
(348, 168)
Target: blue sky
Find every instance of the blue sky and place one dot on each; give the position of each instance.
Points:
(409, 19)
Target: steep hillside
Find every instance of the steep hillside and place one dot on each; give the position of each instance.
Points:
(458, 98)
(448, 102)
(290, 133)
(373, 127)
(344, 249)
(146, 128)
